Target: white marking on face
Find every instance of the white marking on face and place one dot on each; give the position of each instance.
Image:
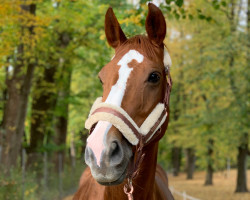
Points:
(167, 60)
(117, 91)
(96, 141)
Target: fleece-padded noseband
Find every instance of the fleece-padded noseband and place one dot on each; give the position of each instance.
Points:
(117, 116)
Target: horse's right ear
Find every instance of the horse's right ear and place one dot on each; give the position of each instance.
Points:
(113, 31)
(155, 24)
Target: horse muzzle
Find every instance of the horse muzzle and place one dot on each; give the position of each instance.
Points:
(114, 161)
(109, 164)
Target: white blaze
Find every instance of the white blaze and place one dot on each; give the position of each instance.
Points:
(117, 91)
(96, 141)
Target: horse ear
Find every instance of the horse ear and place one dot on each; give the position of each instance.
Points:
(113, 31)
(155, 24)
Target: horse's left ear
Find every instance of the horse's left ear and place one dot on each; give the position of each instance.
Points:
(155, 24)
(113, 31)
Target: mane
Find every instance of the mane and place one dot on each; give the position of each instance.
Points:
(143, 44)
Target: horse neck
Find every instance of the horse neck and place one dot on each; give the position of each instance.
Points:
(144, 183)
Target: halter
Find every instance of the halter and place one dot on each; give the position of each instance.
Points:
(150, 131)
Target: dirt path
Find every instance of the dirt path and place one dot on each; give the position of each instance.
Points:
(223, 188)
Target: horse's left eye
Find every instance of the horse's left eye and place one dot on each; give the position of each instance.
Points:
(154, 77)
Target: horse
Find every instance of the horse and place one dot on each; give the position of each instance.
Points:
(130, 118)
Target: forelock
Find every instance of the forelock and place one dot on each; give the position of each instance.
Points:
(143, 45)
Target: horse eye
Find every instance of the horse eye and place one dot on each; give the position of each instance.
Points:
(154, 77)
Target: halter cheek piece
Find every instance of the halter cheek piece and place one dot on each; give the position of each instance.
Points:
(150, 130)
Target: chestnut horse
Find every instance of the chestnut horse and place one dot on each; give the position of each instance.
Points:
(130, 118)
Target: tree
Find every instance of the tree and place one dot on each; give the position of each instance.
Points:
(18, 86)
(190, 162)
(208, 45)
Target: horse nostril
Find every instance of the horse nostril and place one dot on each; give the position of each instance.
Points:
(87, 153)
(116, 153)
(89, 156)
(114, 148)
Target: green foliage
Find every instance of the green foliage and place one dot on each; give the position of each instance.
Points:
(24, 185)
(13, 187)
(203, 106)
(179, 3)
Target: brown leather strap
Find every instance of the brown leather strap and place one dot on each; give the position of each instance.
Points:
(168, 90)
(153, 129)
(166, 104)
(121, 116)
(134, 170)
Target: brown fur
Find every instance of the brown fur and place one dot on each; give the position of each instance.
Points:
(139, 100)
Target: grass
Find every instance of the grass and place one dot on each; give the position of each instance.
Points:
(222, 189)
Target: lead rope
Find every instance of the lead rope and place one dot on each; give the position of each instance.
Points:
(128, 187)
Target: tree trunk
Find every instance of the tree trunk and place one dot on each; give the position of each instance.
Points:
(5, 97)
(62, 103)
(41, 114)
(190, 162)
(243, 144)
(84, 135)
(18, 87)
(248, 32)
(73, 150)
(60, 140)
(176, 160)
(62, 121)
(242, 165)
(209, 175)
(4, 94)
(9, 139)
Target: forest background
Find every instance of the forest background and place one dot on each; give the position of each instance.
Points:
(50, 54)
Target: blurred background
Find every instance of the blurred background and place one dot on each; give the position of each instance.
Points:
(50, 54)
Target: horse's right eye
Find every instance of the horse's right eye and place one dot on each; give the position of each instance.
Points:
(154, 77)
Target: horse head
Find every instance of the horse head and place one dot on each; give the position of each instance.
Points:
(134, 88)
